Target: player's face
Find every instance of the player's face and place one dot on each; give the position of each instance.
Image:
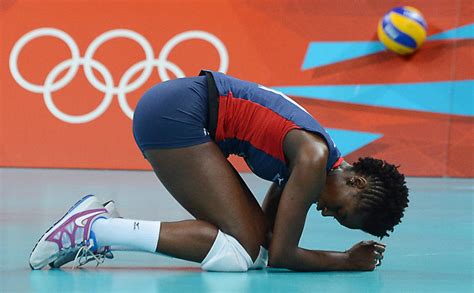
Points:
(339, 199)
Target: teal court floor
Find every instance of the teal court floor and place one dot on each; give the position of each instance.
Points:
(431, 251)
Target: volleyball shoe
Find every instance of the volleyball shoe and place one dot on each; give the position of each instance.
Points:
(71, 237)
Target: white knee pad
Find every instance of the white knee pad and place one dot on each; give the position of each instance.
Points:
(226, 255)
(261, 261)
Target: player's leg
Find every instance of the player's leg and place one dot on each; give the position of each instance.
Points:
(193, 190)
(262, 259)
(230, 226)
(203, 182)
(256, 208)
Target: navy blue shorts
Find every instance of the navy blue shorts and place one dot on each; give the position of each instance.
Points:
(172, 114)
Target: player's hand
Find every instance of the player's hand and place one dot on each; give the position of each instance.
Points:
(365, 255)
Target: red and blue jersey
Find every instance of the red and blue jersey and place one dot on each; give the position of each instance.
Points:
(253, 121)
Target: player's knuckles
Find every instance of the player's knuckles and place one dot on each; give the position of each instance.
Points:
(379, 248)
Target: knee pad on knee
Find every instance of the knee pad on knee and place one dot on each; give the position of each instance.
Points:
(261, 261)
(226, 255)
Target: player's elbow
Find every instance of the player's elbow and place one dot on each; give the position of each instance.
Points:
(274, 261)
(278, 259)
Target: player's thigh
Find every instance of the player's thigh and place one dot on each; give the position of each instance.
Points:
(201, 179)
(260, 220)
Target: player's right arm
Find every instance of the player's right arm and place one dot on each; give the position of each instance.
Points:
(270, 204)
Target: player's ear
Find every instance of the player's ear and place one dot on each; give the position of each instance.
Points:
(358, 181)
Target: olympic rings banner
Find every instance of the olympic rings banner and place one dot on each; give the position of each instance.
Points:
(108, 88)
(73, 71)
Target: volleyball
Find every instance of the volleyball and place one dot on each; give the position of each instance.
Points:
(402, 30)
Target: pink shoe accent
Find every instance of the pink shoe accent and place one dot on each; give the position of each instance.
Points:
(76, 229)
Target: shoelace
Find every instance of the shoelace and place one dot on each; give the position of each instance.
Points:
(85, 255)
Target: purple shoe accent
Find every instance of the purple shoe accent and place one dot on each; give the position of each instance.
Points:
(70, 228)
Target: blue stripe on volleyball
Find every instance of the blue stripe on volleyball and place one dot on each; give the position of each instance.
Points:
(397, 35)
(411, 14)
(348, 141)
(447, 97)
(462, 32)
(324, 53)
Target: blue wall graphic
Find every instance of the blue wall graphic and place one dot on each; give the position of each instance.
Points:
(325, 53)
(445, 97)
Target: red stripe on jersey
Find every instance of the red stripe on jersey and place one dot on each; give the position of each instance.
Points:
(254, 123)
(338, 163)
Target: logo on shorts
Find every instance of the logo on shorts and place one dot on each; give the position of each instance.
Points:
(278, 178)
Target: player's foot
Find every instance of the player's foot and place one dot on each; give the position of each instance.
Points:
(101, 253)
(71, 238)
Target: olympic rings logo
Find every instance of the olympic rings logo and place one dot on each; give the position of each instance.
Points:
(88, 62)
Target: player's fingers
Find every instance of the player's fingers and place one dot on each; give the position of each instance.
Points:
(379, 248)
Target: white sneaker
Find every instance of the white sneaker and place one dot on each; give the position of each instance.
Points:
(71, 238)
(101, 253)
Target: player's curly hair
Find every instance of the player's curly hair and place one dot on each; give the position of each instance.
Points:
(385, 197)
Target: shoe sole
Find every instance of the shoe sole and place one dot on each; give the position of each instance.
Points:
(57, 222)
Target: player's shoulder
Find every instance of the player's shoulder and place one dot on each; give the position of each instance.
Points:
(300, 145)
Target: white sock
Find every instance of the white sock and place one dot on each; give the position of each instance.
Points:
(126, 234)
